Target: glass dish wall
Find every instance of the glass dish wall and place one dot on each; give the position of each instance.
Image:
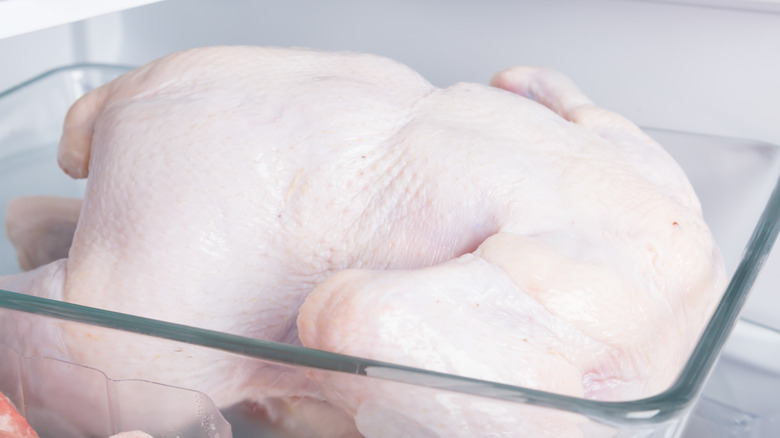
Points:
(35, 384)
(734, 179)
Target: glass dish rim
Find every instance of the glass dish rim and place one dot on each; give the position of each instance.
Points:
(665, 406)
(65, 68)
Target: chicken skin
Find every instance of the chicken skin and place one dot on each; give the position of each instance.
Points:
(515, 233)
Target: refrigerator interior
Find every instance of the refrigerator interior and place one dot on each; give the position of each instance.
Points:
(705, 67)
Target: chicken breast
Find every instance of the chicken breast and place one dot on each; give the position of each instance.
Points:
(341, 202)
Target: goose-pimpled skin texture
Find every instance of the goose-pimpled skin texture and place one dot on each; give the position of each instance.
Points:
(514, 233)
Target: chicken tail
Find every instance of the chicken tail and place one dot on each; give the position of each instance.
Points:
(75, 143)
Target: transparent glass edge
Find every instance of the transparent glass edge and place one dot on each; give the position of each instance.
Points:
(32, 81)
(727, 312)
(298, 356)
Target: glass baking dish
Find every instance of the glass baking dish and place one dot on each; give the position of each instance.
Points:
(735, 179)
(32, 384)
(740, 399)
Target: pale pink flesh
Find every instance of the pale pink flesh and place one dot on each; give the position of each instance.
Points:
(13, 425)
(228, 185)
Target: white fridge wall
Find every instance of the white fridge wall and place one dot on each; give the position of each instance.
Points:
(24, 56)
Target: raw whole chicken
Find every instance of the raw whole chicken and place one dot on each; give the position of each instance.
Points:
(514, 233)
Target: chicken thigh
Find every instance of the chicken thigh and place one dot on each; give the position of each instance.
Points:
(342, 202)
